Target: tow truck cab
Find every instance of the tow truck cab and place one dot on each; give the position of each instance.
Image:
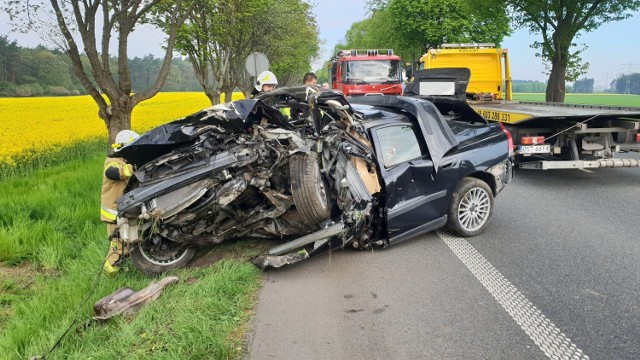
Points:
(489, 65)
(363, 72)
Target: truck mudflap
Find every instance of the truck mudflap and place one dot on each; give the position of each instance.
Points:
(580, 164)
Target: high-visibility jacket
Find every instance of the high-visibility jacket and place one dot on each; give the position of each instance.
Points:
(115, 175)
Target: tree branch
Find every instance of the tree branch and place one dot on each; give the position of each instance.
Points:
(74, 54)
(106, 36)
(176, 21)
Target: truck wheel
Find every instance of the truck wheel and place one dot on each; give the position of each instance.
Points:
(470, 207)
(154, 259)
(308, 188)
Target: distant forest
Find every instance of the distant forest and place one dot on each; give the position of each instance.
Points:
(582, 86)
(44, 72)
(623, 84)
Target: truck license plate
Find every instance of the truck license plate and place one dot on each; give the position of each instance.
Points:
(534, 149)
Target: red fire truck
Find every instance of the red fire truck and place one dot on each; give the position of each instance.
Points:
(366, 72)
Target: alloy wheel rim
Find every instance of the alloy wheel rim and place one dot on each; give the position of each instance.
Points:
(474, 209)
(322, 192)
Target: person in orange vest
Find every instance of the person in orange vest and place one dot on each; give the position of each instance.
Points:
(115, 176)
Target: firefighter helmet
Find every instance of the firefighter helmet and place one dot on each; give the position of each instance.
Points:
(123, 138)
(266, 78)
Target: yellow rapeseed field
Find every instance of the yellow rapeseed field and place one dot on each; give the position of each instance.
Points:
(32, 127)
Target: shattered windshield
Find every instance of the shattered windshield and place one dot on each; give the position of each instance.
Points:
(372, 71)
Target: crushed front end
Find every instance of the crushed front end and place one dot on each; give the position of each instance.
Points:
(244, 170)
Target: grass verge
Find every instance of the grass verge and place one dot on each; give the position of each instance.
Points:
(29, 163)
(52, 245)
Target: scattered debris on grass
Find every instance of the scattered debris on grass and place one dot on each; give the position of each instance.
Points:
(126, 301)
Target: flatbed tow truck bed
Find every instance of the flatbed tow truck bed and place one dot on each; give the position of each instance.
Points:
(515, 111)
(567, 136)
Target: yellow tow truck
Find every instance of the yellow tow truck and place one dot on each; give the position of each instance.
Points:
(545, 135)
(489, 65)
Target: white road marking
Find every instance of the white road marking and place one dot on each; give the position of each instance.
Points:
(541, 330)
(586, 170)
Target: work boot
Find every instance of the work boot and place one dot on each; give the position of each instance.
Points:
(117, 253)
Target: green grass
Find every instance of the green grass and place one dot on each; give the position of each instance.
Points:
(27, 164)
(15, 287)
(52, 245)
(590, 99)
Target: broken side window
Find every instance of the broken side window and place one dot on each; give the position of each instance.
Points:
(399, 143)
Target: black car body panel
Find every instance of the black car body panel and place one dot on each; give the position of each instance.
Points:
(240, 116)
(334, 172)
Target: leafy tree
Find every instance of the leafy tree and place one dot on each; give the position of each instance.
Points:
(323, 73)
(430, 23)
(42, 71)
(627, 84)
(560, 22)
(219, 35)
(528, 86)
(8, 59)
(583, 86)
(49, 69)
(291, 41)
(411, 27)
(378, 32)
(79, 24)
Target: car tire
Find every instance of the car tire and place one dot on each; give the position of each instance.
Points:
(308, 188)
(470, 207)
(153, 259)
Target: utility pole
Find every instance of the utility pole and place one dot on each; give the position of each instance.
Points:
(606, 80)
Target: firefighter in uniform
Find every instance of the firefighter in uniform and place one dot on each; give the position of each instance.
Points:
(266, 81)
(115, 175)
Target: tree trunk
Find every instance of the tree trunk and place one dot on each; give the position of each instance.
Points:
(556, 85)
(559, 50)
(117, 118)
(212, 94)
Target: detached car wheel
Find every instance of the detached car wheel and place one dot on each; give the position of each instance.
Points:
(308, 188)
(470, 207)
(155, 258)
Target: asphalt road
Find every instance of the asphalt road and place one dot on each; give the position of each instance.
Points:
(556, 273)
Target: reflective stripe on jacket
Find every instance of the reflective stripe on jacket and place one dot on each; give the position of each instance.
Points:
(115, 175)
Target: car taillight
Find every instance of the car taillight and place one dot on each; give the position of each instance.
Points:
(531, 140)
(509, 138)
(638, 137)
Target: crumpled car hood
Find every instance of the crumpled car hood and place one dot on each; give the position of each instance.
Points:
(230, 118)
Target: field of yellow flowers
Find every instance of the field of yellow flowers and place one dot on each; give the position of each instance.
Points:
(37, 127)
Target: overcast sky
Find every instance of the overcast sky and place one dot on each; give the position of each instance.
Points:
(612, 48)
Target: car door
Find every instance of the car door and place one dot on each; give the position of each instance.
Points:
(415, 196)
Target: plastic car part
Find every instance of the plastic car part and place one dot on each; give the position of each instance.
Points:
(127, 301)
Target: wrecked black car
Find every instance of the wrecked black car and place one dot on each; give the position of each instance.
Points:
(331, 173)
